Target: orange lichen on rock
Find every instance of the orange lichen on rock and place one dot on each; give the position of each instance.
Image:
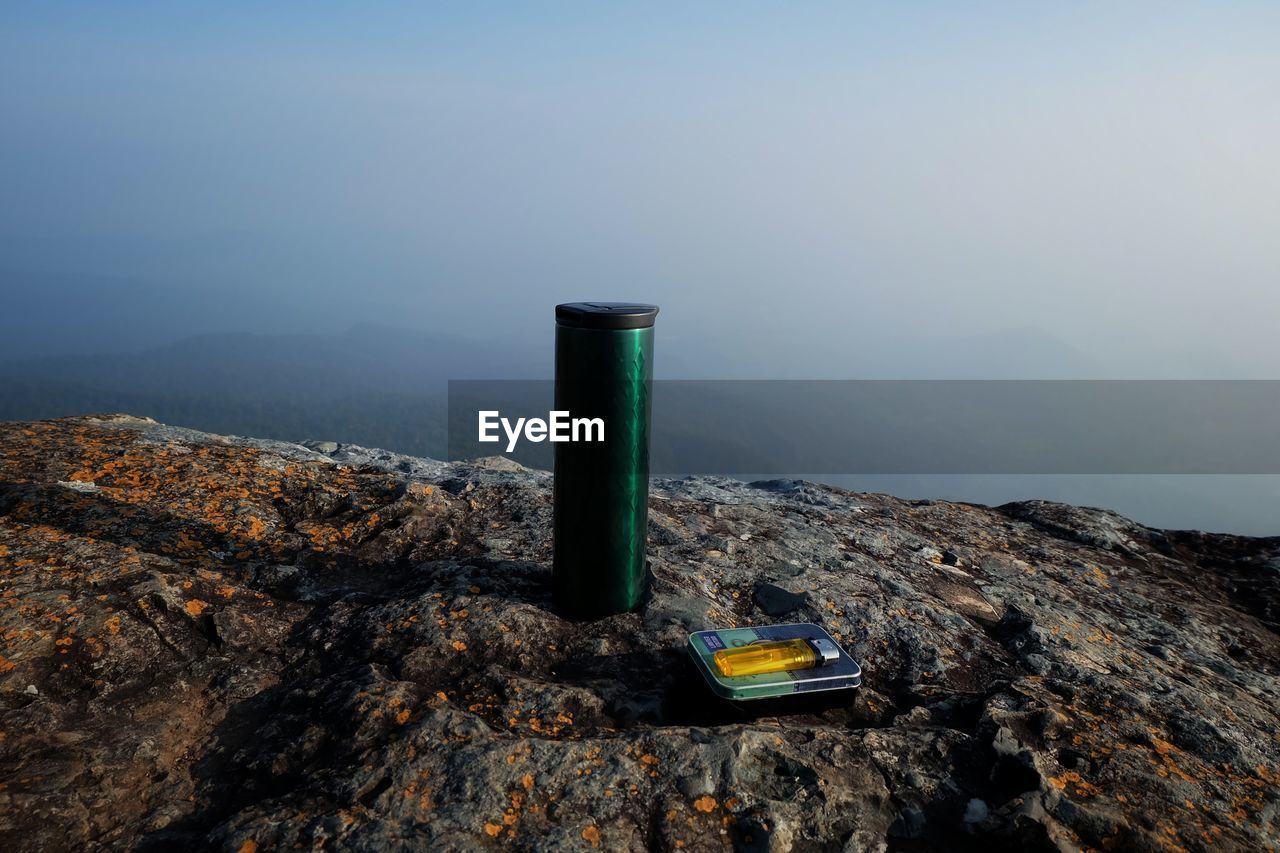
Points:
(705, 803)
(591, 835)
(1079, 786)
(195, 607)
(1166, 751)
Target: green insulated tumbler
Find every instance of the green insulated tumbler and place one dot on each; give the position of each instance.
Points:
(604, 369)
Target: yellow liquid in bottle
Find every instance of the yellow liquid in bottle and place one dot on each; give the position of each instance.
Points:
(757, 658)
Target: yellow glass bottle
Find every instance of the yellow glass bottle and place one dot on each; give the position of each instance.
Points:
(757, 658)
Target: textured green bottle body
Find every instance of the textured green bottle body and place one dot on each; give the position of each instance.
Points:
(602, 488)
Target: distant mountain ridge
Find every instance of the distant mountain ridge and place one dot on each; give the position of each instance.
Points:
(245, 366)
(382, 386)
(370, 383)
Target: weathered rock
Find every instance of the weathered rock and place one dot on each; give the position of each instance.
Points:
(240, 644)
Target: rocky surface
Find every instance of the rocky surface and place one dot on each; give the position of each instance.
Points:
(245, 645)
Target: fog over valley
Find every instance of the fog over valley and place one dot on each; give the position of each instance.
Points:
(252, 221)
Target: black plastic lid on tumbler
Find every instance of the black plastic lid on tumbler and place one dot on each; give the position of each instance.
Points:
(606, 315)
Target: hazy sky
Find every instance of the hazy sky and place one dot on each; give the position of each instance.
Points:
(809, 175)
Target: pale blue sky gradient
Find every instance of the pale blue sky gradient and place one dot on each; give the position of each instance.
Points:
(848, 175)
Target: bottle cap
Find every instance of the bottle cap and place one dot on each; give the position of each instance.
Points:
(606, 315)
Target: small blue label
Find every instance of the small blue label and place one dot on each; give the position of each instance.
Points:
(713, 641)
